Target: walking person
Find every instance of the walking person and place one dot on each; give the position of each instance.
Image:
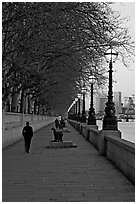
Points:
(62, 122)
(56, 122)
(27, 134)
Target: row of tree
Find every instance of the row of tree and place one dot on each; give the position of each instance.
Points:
(49, 49)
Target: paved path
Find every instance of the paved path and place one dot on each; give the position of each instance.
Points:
(67, 174)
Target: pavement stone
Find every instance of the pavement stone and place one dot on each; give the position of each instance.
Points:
(61, 175)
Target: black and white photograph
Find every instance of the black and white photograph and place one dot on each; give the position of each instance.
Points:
(68, 101)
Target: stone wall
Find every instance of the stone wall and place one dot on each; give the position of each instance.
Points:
(122, 154)
(94, 137)
(109, 143)
(13, 123)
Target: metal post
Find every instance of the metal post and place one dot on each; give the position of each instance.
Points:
(78, 109)
(110, 120)
(91, 118)
(83, 119)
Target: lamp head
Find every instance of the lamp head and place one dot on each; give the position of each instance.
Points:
(79, 95)
(83, 90)
(111, 55)
(92, 79)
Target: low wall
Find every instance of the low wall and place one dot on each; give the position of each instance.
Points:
(13, 123)
(122, 154)
(86, 131)
(94, 137)
(109, 143)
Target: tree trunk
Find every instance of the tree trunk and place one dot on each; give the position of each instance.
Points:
(38, 109)
(23, 103)
(28, 104)
(35, 106)
(14, 100)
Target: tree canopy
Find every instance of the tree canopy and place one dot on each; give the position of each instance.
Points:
(49, 48)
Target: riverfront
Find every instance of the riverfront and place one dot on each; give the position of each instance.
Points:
(62, 175)
(127, 130)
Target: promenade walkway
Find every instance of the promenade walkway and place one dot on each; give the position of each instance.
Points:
(67, 174)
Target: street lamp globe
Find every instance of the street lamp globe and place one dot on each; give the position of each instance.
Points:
(79, 95)
(92, 79)
(83, 90)
(111, 55)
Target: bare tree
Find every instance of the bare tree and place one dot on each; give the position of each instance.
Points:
(49, 48)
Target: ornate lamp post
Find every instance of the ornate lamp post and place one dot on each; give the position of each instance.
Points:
(110, 120)
(91, 118)
(79, 96)
(73, 106)
(83, 118)
(76, 108)
(71, 111)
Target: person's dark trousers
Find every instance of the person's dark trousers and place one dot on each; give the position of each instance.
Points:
(27, 144)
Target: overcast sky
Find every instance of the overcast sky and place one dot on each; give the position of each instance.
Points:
(125, 76)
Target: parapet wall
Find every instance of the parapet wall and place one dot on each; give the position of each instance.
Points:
(109, 143)
(122, 154)
(13, 123)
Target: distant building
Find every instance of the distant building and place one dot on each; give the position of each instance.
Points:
(125, 108)
(118, 104)
(125, 105)
(129, 102)
(100, 103)
(97, 103)
(103, 101)
(129, 107)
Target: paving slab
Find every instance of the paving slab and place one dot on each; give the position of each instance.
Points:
(64, 144)
(61, 174)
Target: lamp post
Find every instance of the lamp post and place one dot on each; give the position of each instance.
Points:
(79, 96)
(91, 117)
(76, 108)
(71, 111)
(110, 120)
(83, 118)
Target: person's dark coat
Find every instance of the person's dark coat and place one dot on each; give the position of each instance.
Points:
(56, 123)
(27, 134)
(62, 123)
(58, 134)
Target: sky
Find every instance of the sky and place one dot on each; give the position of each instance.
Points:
(125, 76)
